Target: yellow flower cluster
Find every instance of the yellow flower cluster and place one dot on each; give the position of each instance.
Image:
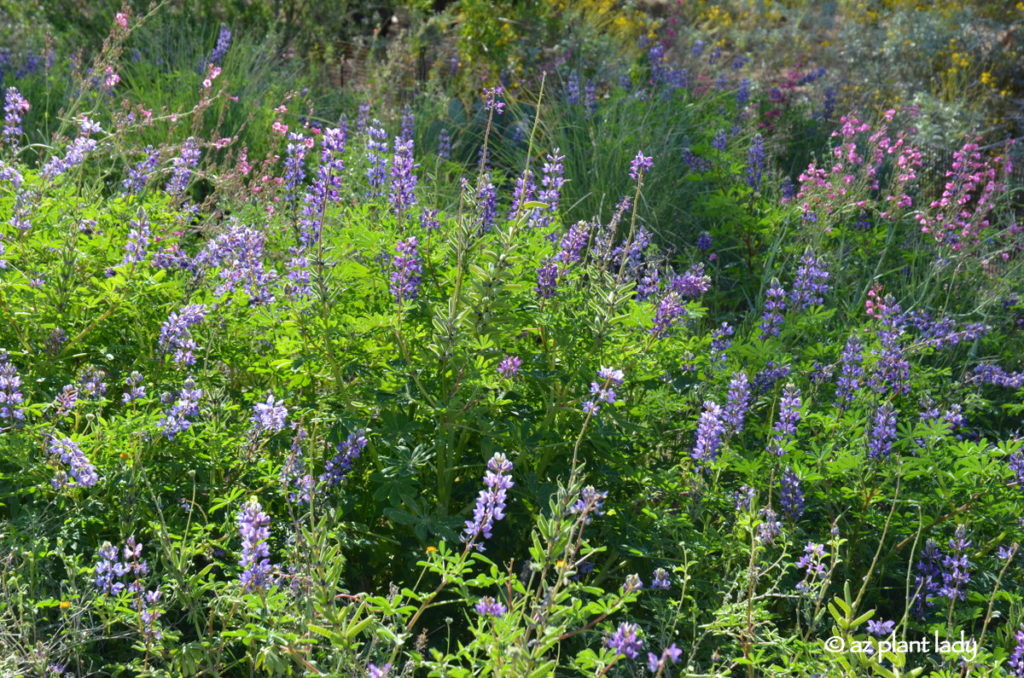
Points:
(716, 16)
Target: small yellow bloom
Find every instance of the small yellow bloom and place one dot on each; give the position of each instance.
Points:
(65, 604)
(124, 455)
(560, 564)
(431, 549)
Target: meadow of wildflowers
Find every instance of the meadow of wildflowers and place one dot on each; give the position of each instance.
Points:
(614, 351)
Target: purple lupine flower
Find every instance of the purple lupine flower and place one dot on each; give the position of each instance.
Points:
(604, 391)
(633, 255)
(710, 428)
(408, 127)
(509, 366)
(176, 335)
(743, 92)
(850, 371)
(1016, 463)
(632, 583)
(80, 469)
(337, 469)
(490, 504)
(182, 166)
(407, 264)
(649, 281)
(661, 580)
(73, 157)
(1016, 661)
(134, 389)
(486, 201)
(736, 404)
(239, 253)
(444, 144)
(88, 127)
(571, 248)
(175, 420)
(789, 417)
(640, 165)
(994, 374)
(812, 563)
(552, 179)
(590, 98)
(770, 526)
(811, 282)
(376, 157)
(720, 140)
(772, 372)
(91, 384)
(299, 278)
(523, 192)
(492, 103)
(363, 118)
(626, 640)
(269, 416)
(883, 432)
(11, 397)
(927, 581)
(488, 606)
(691, 284)
(139, 234)
(704, 241)
(787, 189)
(294, 479)
(774, 307)
(892, 371)
(294, 164)
(66, 400)
(373, 671)
(881, 629)
(720, 343)
(589, 504)
(547, 279)
(109, 569)
(791, 495)
(572, 89)
(138, 174)
(755, 162)
(220, 49)
(656, 664)
(15, 108)
(669, 313)
(403, 177)
(429, 220)
(956, 572)
(254, 527)
(325, 185)
(743, 498)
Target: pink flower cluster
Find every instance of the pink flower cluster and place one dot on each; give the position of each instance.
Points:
(959, 216)
(855, 178)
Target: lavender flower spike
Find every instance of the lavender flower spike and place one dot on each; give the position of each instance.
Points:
(710, 429)
(789, 417)
(254, 527)
(490, 504)
(405, 280)
(626, 640)
(80, 468)
(269, 416)
(640, 165)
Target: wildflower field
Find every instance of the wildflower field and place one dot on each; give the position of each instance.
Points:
(512, 339)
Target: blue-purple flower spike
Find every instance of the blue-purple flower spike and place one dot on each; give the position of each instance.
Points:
(490, 504)
(254, 527)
